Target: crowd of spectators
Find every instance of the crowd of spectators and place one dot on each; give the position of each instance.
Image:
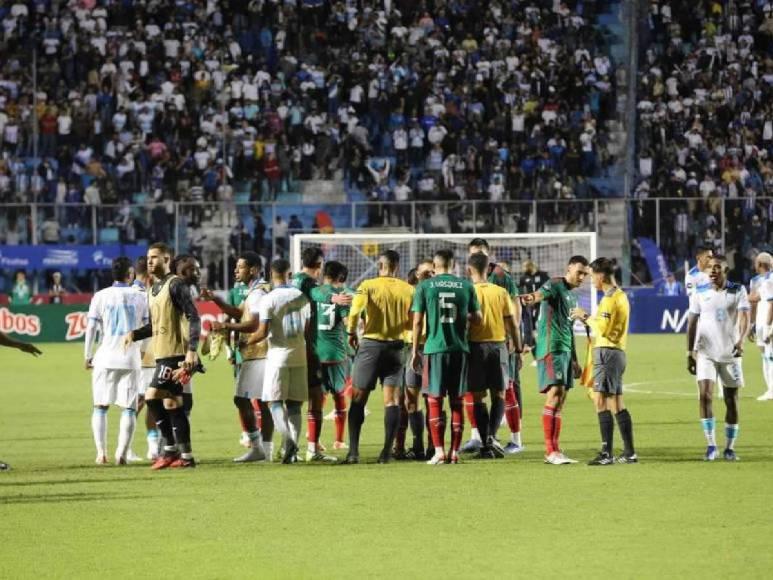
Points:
(705, 125)
(404, 99)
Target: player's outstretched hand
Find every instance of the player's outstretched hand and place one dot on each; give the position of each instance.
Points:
(416, 363)
(128, 340)
(206, 294)
(191, 360)
(738, 349)
(691, 367)
(527, 299)
(88, 365)
(577, 313)
(216, 326)
(342, 299)
(31, 349)
(354, 342)
(518, 361)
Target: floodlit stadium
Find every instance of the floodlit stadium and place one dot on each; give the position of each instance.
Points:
(365, 288)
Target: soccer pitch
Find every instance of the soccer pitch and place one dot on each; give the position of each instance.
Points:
(671, 516)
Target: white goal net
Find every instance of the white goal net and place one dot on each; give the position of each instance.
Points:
(359, 252)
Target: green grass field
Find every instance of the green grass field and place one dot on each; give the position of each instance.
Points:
(672, 515)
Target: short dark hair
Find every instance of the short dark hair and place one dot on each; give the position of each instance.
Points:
(336, 271)
(479, 262)
(392, 258)
(177, 261)
(161, 247)
(578, 260)
(120, 268)
(603, 266)
(478, 242)
(412, 278)
(700, 250)
(141, 266)
(719, 258)
(252, 259)
(447, 256)
(311, 257)
(280, 266)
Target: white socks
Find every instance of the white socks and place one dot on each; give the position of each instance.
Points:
(279, 414)
(99, 429)
(475, 434)
(294, 418)
(126, 432)
(767, 370)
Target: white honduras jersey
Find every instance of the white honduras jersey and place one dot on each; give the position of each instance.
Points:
(696, 280)
(289, 311)
(718, 310)
(117, 310)
(763, 284)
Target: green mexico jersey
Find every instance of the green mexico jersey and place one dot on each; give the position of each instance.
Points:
(504, 280)
(304, 283)
(238, 293)
(331, 345)
(555, 330)
(446, 301)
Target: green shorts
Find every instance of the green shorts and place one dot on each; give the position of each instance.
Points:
(334, 376)
(555, 369)
(445, 373)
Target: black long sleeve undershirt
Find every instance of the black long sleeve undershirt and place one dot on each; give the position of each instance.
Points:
(183, 300)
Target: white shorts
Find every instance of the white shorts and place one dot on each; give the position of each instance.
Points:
(730, 374)
(146, 376)
(249, 383)
(115, 387)
(281, 383)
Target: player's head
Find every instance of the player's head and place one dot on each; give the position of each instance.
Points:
(477, 265)
(443, 261)
(702, 256)
(576, 271)
(388, 263)
(425, 270)
(602, 272)
(763, 262)
(141, 268)
(122, 270)
(159, 259)
(311, 260)
(280, 271)
(529, 267)
(478, 246)
(412, 278)
(247, 268)
(334, 272)
(187, 267)
(718, 270)
(56, 277)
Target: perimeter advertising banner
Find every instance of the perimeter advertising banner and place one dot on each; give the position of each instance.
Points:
(67, 323)
(65, 257)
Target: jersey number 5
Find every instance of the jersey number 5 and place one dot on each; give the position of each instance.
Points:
(447, 307)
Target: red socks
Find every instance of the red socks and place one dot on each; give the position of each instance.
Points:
(435, 429)
(512, 410)
(258, 414)
(469, 410)
(340, 416)
(457, 424)
(314, 419)
(551, 428)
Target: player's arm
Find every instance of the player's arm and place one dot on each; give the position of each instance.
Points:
(576, 368)
(744, 321)
(532, 298)
(246, 327)
(417, 309)
(769, 322)
(182, 299)
(512, 318)
(754, 300)
(474, 316)
(92, 329)
(261, 333)
(9, 342)
(228, 309)
(359, 304)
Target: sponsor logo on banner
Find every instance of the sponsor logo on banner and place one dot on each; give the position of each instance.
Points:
(6, 262)
(26, 324)
(76, 325)
(60, 258)
(673, 320)
(100, 259)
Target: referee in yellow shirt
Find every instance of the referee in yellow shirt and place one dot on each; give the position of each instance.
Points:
(610, 334)
(385, 302)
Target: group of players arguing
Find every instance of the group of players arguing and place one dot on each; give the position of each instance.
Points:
(433, 336)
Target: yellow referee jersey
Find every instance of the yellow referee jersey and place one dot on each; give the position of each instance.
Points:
(610, 323)
(495, 305)
(386, 303)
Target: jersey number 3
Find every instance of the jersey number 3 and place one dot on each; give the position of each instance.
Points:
(327, 316)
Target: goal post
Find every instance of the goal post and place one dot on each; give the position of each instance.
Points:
(359, 252)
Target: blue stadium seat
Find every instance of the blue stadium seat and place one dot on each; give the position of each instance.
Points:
(108, 236)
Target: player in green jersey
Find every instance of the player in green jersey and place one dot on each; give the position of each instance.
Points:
(312, 260)
(557, 365)
(498, 274)
(332, 347)
(448, 303)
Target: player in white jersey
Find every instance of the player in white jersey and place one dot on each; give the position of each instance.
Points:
(697, 277)
(113, 312)
(283, 319)
(717, 328)
(761, 298)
